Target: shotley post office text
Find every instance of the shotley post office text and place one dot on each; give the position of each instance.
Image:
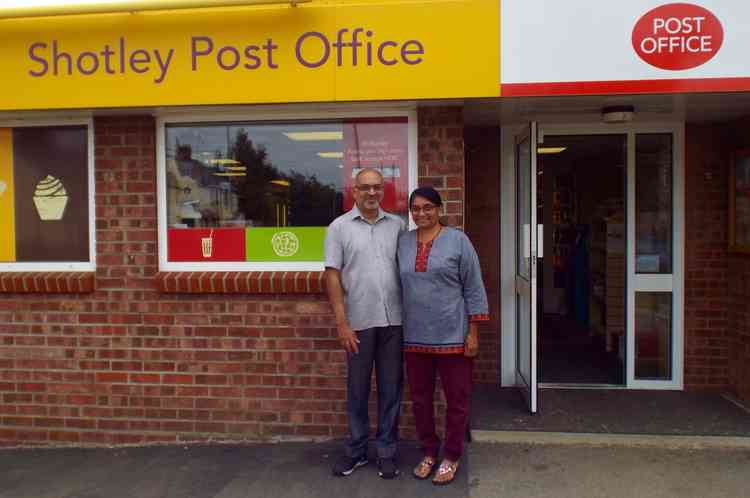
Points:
(350, 47)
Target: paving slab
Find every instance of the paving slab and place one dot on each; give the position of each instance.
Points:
(613, 411)
(530, 471)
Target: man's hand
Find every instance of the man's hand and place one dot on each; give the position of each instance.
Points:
(347, 336)
(348, 339)
(471, 344)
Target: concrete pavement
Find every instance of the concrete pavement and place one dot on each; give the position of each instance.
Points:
(302, 470)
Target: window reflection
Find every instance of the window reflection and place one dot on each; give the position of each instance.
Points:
(260, 178)
(653, 164)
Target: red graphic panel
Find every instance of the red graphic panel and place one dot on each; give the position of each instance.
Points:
(206, 244)
(382, 144)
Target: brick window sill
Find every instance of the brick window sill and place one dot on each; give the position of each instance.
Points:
(255, 282)
(42, 282)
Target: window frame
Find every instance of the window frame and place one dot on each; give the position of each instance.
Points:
(259, 117)
(55, 266)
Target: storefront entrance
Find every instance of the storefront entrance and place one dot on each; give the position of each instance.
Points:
(581, 280)
(596, 222)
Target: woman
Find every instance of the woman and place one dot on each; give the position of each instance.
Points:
(444, 298)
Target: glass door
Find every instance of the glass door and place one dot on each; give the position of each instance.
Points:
(642, 236)
(655, 260)
(526, 266)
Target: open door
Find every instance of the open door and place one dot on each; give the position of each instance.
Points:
(526, 266)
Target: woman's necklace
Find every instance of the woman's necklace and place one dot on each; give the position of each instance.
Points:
(421, 240)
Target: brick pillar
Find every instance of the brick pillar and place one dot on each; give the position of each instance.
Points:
(483, 227)
(126, 223)
(441, 158)
(739, 291)
(706, 262)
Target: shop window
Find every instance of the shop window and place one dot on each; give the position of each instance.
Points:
(653, 162)
(259, 195)
(653, 335)
(45, 198)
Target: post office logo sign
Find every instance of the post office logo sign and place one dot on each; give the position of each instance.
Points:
(677, 36)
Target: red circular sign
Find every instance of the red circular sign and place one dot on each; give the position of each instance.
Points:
(677, 36)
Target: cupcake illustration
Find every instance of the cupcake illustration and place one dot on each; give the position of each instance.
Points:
(50, 198)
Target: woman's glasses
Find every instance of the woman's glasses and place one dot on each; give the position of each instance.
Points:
(424, 208)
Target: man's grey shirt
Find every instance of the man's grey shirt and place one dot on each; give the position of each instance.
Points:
(365, 254)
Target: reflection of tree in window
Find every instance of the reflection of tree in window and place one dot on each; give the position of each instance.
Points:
(313, 204)
(268, 197)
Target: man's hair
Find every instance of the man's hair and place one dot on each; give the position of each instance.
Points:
(368, 170)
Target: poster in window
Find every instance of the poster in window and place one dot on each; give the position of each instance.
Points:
(206, 244)
(382, 144)
(50, 189)
(739, 203)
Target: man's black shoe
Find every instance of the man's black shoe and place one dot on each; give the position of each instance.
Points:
(387, 468)
(346, 465)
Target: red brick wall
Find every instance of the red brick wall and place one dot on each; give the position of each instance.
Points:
(128, 364)
(739, 325)
(483, 227)
(707, 337)
(739, 292)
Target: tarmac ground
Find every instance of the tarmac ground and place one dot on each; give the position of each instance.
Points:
(303, 470)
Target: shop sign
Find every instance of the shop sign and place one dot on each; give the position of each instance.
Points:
(333, 51)
(677, 36)
(630, 47)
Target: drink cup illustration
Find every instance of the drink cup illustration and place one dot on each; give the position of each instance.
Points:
(207, 245)
(50, 199)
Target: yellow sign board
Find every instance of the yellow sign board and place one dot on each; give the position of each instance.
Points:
(336, 51)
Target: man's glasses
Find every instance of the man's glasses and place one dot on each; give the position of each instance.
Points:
(425, 208)
(369, 188)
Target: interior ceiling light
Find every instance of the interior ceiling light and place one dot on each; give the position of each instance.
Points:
(47, 8)
(618, 114)
(309, 136)
(230, 174)
(550, 150)
(223, 161)
(331, 155)
(283, 183)
(235, 168)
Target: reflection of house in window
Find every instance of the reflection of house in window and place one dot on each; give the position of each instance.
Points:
(199, 193)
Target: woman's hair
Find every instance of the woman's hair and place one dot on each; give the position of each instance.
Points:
(428, 193)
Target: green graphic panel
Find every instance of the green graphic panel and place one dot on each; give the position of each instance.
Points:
(284, 243)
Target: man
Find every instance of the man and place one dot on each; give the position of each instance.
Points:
(363, 287)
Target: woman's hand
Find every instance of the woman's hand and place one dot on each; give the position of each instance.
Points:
(471, 344)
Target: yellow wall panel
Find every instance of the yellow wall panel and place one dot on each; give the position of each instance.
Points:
(7, 204)
(316, 52)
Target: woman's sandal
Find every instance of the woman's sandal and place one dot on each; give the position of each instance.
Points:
(446, 473)
(424, 468)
